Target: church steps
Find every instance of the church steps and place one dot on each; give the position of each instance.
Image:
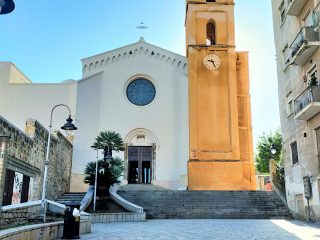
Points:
(71, 197)
(208, 204)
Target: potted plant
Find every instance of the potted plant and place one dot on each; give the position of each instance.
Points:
(313, 82)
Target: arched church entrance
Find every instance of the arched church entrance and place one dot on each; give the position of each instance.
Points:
(140, 156)
(139, 164)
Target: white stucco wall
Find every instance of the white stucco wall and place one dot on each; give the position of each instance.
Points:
(21, 99)
(291, 83)
(99, 103)
(166, 117)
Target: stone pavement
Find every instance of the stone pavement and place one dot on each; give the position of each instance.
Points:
(205, 229)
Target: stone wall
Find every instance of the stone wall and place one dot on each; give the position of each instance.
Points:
(60, 159)
(30, 148)
(19, 215)
(47, 231)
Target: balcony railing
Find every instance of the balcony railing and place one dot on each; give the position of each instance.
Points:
(307, 104)
(304, 45)
(295, 7)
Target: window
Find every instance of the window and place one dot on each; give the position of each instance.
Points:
(312, 74)
(283, 15)
(141, 92)
(286, 56)
(211, 0)
(282, 11)
(294, 153)
(211, 34)
(290, 105)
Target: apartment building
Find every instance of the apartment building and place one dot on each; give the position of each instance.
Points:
(297, 41)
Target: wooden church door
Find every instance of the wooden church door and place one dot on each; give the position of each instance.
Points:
(139, 165)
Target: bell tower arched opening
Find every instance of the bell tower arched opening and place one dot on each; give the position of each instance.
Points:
(211, 33)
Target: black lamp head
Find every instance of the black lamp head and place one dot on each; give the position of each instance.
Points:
(107, 158)
(6, 6)
(273, 149)
(69, 127)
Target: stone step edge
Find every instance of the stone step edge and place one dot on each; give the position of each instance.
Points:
(118, 217)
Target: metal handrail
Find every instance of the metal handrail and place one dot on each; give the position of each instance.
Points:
(309, 95)
(298, 41)
(306, 35)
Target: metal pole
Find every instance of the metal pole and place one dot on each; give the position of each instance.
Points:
(46, 163)
(309, 210)
(95, 183)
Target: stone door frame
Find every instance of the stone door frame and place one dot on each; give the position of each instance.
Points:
(150, 139)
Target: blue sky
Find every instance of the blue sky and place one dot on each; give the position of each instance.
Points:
(47, 39)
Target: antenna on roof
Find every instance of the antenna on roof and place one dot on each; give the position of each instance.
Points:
(142, 27)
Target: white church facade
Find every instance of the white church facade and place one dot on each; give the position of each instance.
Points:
(139, 91)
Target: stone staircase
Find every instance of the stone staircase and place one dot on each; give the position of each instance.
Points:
(141, 187)
(71, 197)
(166, 204)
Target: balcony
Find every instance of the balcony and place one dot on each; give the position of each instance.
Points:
(304, 45)
(316, 18)
(295, 7)
(307, 105)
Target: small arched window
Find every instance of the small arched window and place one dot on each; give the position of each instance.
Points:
(211, 34)
(211, 0)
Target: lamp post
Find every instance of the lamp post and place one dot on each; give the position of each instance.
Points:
(69, 127)
(107, 157)
(6, 6)
(96, 182)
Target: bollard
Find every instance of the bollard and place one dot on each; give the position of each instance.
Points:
(71, 228)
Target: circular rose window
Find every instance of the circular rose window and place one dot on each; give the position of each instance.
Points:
(141, 92)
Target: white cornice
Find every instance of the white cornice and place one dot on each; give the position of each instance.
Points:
(141, 47)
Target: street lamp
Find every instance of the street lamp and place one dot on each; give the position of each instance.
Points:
(69, 127)
(273, 149)
(108, 155)
(107, 158)
(95, 181)
(6, 6)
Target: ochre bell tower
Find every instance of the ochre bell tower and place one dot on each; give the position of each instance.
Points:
(221, 149)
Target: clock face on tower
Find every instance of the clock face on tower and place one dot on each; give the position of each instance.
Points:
(212, 62)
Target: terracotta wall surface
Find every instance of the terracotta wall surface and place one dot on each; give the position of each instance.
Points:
(221, 149)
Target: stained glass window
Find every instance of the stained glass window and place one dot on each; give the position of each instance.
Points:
(141, 92)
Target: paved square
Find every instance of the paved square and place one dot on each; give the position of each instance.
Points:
(206, 229)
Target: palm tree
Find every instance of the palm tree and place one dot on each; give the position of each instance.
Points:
(109, 169)
(107, 176)
(109, 141)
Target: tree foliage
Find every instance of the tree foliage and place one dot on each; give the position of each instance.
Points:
(263, 151)
(109, 140)
(108, 174)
